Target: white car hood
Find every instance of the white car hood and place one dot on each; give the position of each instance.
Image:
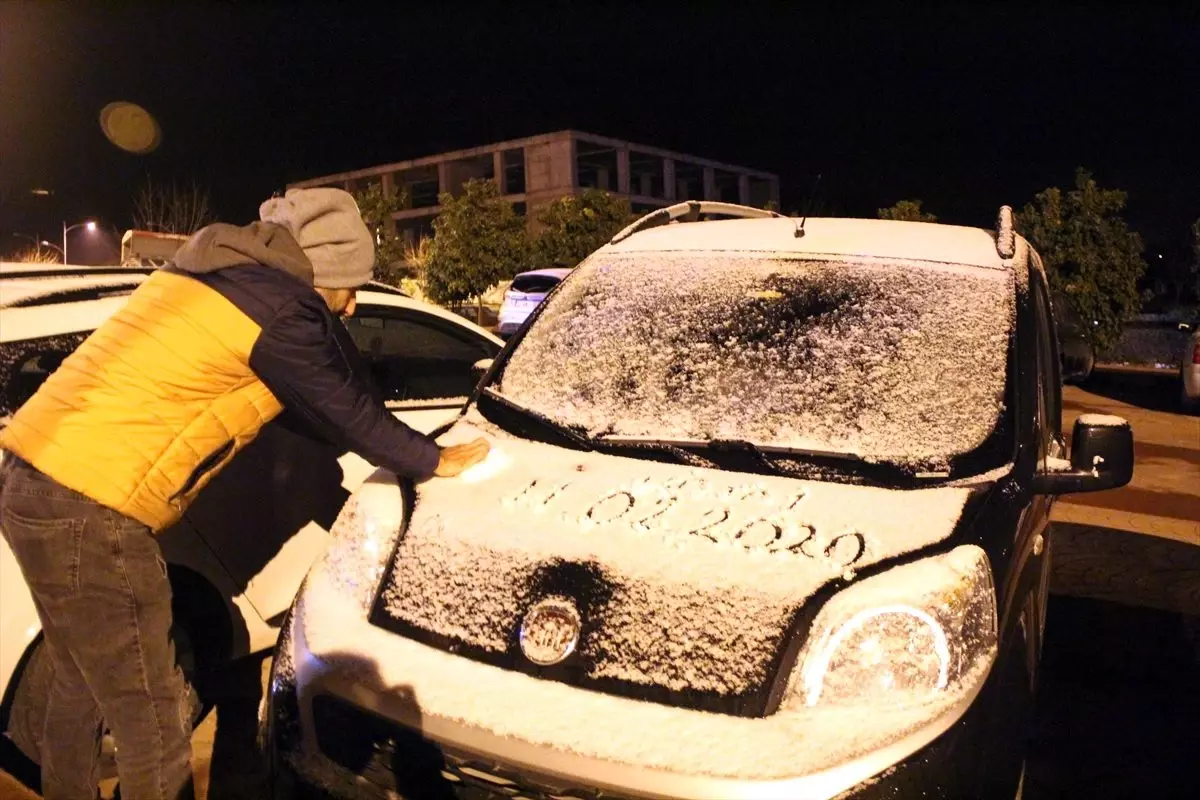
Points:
(686, 579)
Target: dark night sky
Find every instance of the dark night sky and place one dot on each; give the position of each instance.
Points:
(966, 109)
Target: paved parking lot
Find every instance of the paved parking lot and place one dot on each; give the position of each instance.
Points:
(1120, 693)
(1119, 701)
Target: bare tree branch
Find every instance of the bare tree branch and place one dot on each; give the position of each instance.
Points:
(171, 209)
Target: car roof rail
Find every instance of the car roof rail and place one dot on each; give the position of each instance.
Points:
(690, 211)
(1006, 233)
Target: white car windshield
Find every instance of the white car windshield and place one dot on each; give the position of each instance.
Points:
(884, 360)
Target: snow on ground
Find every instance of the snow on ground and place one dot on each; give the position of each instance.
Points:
(899, 361)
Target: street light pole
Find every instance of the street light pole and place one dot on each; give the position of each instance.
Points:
(90, 225)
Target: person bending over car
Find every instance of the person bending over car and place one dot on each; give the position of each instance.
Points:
(112, 448)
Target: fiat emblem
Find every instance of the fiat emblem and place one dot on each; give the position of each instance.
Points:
(550, 631)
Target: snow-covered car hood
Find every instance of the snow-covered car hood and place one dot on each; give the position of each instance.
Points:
(686, 580)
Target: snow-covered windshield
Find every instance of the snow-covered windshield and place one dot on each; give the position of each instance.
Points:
(891, 361)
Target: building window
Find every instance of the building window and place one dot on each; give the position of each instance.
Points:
(645, 174)
(519, 208)
(726, 185)
(689, 181)
(760, 192)
(419, 186)
(414, 229)
(595, 166)
(645, 208)
(514, 171)
(361, 185)
(473, 168)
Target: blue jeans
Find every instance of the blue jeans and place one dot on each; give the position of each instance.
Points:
(99, 582)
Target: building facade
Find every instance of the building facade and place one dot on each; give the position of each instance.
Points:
(534, 171)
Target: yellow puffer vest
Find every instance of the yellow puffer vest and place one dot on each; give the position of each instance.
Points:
(152, 405)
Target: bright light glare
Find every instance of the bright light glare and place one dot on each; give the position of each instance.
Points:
(814, 678)
(91, 226)
(496, 462)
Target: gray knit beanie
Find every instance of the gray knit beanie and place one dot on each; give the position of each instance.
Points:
(328, 226)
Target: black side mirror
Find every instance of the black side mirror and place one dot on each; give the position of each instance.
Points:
(1101, 458)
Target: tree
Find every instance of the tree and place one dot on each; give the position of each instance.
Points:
(907, 211)
(416, 260)
(171, 209)
(1089, 252)
(573, 227)
(35, 255)
(478, 241)
(376, 208)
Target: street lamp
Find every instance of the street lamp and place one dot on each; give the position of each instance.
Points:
(91, 228)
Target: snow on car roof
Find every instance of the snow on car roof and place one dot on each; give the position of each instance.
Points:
(552, 272)
(7, 267)
(875, 238)
(59, 286)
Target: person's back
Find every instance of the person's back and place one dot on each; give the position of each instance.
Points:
(130, 428)
(178, 353)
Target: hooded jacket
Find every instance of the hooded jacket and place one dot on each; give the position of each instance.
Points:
(205, 352)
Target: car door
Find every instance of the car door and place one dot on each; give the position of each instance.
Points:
(1051, 448)
(268, 513)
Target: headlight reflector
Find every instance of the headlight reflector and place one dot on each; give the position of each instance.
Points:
(907, 636)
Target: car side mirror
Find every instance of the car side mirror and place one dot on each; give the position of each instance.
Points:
(1076, 371)
(1101, 458)
(480, 368)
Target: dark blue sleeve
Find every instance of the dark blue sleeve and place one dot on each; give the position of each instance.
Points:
(306, 357)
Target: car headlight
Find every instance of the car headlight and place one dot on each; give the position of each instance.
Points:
(910, 636)
(364, 537)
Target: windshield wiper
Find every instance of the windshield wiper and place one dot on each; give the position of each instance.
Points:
(572, 435)
(610, 442)
(760, 453)
(583, 442)
(790, 462)
(878, 471)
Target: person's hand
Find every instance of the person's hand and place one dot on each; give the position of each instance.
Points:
(458, 457)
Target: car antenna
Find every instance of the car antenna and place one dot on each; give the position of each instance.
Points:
(808, 207)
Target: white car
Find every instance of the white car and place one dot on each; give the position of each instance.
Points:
(1189, 368)
(239, 554)
(525, 294)
(765, 515)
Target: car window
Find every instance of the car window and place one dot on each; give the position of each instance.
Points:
(417, 357)
(534, 284)
(25, 365)
(1065, 316)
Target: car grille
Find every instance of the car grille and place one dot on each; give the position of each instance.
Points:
(395, 758)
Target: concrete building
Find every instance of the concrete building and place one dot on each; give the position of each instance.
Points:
(536, 170)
